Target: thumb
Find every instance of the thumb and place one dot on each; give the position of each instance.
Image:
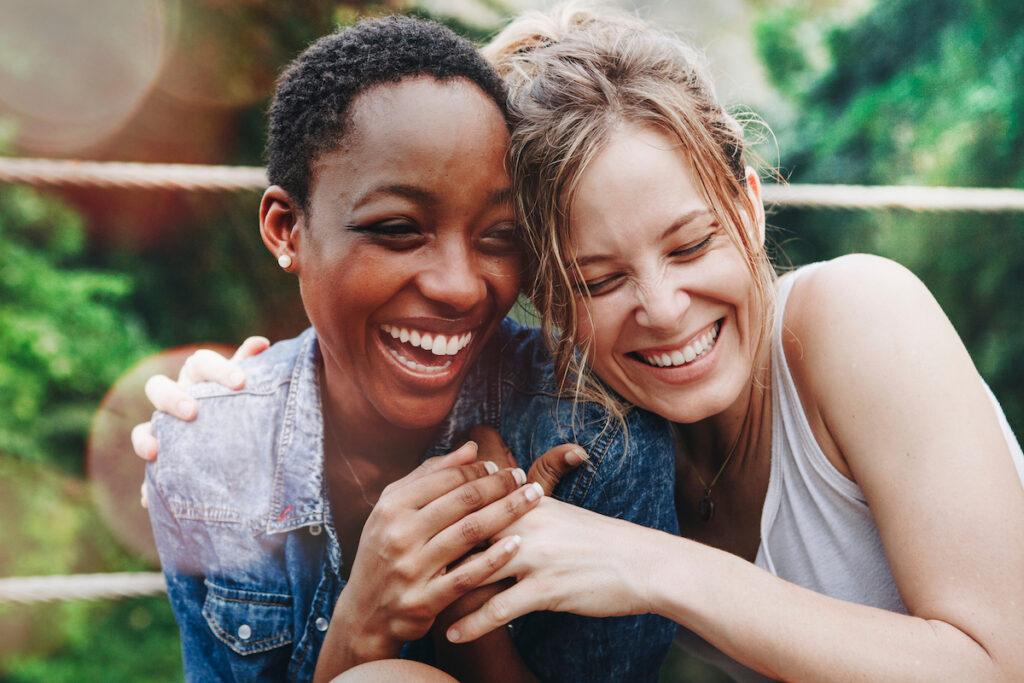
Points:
(548, 469)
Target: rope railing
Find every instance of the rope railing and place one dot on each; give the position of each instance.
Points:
(195, 177)
(30, 589)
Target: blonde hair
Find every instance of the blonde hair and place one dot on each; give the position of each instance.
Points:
(575, 75)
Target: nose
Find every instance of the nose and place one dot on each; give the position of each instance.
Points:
(661, 305)
(454, 278)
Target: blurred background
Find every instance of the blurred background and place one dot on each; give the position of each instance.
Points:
(95, 283)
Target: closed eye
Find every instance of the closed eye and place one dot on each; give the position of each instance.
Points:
(693, 249)
(602, 285)
(399, 235)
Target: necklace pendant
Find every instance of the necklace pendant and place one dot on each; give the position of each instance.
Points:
(706, 508)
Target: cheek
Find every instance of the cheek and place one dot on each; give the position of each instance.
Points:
(504, 275)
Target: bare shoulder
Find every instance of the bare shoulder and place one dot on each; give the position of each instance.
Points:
(861, 311)
(851, 292)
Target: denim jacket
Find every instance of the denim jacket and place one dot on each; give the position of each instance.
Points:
(252, 561)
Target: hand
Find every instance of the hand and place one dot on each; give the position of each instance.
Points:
(570, 560)
(170, 396)
(423, 523)
(547, 470)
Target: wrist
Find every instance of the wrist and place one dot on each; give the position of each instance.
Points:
(358, 639)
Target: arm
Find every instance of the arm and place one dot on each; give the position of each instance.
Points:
(889, 377)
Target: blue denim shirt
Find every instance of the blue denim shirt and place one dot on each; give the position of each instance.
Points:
(253, 564)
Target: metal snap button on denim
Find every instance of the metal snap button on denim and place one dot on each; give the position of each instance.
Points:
(245, 632)
(315, 530)
(321, 624)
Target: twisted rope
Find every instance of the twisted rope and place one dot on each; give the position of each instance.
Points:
(111, 174)
(910, 197)
(194, 177)
(80, 587)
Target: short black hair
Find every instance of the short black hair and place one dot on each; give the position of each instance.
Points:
(310, 110)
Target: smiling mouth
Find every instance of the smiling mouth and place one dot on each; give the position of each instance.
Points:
(422, 351)
(694, 351)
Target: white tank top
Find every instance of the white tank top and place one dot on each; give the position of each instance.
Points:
(816, 528)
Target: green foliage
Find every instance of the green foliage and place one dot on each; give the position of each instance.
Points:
(113, 641)
(65, 335)
(917, 92)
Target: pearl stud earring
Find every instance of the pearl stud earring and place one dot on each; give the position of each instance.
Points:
(285, 261)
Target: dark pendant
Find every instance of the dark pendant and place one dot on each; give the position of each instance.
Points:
(706, 508)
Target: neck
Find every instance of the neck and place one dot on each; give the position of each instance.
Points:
(741, 430)
(372, 444)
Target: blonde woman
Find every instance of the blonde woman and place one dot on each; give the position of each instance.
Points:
(848, 490)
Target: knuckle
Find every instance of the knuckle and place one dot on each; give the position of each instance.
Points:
(513, 506)
(470, 530)
(463, 581)
(471, 496)
(496, 609)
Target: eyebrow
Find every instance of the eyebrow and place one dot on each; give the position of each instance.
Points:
(421, 196)
(678, 224)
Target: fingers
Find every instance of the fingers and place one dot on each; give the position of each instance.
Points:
(470, 496)
(499, 610)
(548, 469)
(143, 495)
(463, 455)
(474, 529)
(209, 366)
(165, 394)
(425, 490)
(492, 447)
(143, 442)
(253, 346)
(475, 570)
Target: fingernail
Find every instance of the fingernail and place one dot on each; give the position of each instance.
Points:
(454, 635)
(576, 456)
(490, 467)
(513, 543)
(519, 476)
(186, 408)
(236, 378)
(533, 492)
(470, 442)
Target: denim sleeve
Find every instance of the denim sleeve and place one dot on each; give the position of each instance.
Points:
(205, 656)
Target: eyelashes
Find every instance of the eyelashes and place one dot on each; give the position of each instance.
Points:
(609, 282)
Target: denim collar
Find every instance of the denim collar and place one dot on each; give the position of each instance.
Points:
(298, 492)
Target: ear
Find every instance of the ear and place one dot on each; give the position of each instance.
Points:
(754, 194)
(279, 217)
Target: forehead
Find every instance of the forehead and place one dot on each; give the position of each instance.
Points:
(639, 182)
(419, 130)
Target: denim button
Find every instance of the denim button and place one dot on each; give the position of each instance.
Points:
(321, 624)
(315, 530)
(245, 632)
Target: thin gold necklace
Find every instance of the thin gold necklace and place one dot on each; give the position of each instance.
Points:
(337, 447)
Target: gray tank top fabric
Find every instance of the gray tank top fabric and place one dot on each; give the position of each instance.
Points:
(816, 528)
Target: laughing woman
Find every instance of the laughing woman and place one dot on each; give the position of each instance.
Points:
(849, 492)
(294, 517)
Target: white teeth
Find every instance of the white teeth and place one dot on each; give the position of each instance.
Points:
(420, 367)
(687, 354)
(439, 345)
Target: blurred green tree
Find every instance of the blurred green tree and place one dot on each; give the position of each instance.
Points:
(915, 92)
(65, 330)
